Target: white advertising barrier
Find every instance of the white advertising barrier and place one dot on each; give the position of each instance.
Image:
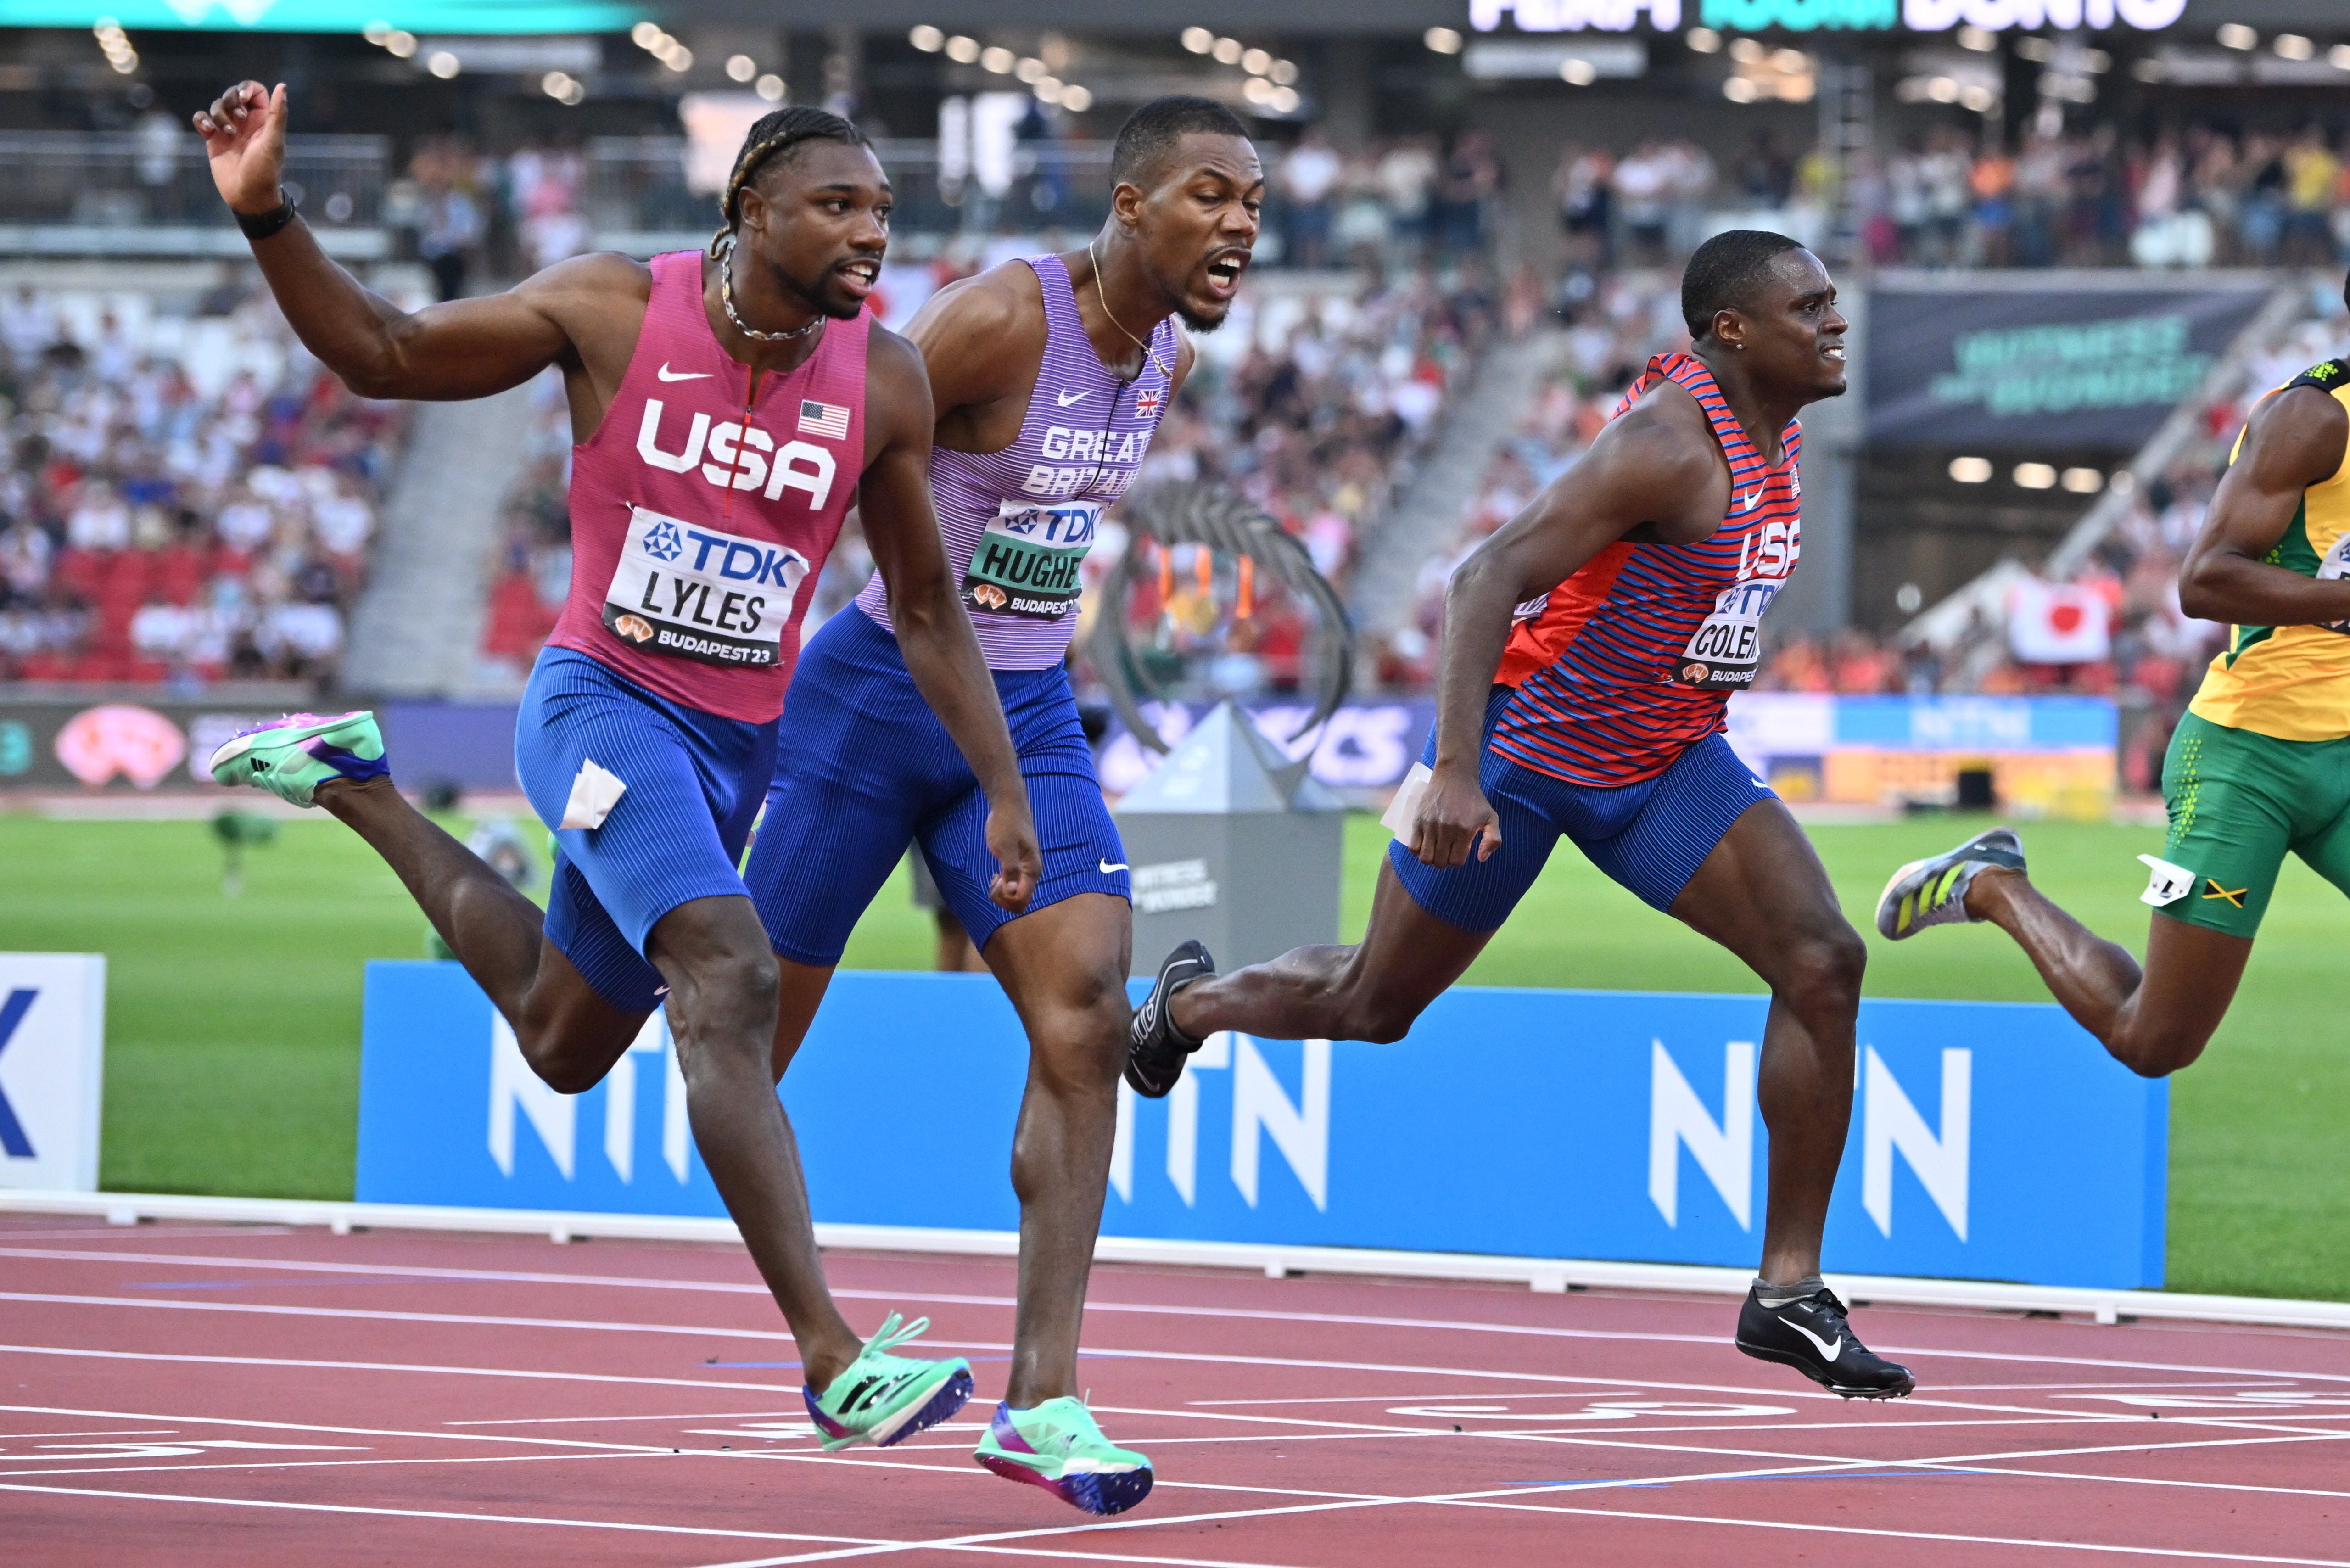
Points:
(52, 1069)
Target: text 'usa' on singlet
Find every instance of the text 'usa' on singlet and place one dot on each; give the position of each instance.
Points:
(698, 509)
(1631, 660)
(1018, 523)
(2292, 682)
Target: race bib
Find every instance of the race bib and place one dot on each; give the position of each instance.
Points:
(2332, 569)
(1728, 649)
(1027, 562)
(699, 594)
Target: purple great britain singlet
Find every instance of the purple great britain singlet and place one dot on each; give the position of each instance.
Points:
(1018, 523)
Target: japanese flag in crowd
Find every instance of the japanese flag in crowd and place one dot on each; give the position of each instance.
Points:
(2058, 623)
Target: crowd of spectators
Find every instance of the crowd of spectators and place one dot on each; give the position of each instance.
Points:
(2206, 196)
(183, 496)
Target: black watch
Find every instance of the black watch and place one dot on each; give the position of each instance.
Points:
(261, 225)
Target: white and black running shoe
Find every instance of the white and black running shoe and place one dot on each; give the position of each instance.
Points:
(1812, 1335)
(1155, 1048)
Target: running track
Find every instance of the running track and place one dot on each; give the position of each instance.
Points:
(198, 1395)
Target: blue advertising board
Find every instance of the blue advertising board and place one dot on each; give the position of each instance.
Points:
(1989, 1141)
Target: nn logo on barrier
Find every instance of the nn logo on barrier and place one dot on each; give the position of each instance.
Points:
(1262, 1111)
(1891, 1122)
(555, 1116)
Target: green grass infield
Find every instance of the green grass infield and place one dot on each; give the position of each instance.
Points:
(234, 1020)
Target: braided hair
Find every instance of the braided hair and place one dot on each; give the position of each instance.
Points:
(778, 133)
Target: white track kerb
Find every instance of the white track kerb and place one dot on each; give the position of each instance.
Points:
(1551, 1274)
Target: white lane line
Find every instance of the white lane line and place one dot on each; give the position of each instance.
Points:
(563, 1421)
(339, 1464)
(197, 1500)
(1035, 1552)
(109, 1432)
(187, 1421)
(385, 1366)
(469, 1319)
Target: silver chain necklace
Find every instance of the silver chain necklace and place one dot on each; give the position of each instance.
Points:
(726, 298)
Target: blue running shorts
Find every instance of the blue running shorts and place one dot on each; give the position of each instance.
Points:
(1651, 836)
(676, 833)
(863, 766)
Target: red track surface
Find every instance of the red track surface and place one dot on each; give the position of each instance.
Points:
(200, 1394)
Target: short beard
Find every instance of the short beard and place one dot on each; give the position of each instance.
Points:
(1198, 325)
(812, 296)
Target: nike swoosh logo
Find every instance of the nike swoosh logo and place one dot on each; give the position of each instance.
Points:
(1107, 868)
(1746, 502)
(1829, 1351)
(666, 374)
(1066, 399)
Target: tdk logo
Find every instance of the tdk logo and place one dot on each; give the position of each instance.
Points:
(663, 544)
(739, 459)
(742, 562)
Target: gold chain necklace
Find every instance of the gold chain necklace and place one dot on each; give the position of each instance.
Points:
(726, 298)
(1148, 351)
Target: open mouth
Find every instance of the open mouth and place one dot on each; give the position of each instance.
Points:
(859, 275)
(1833, 351)
(1224, 272)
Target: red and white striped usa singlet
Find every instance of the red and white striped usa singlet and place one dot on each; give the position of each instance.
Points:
(1631, 660)
(699, 511)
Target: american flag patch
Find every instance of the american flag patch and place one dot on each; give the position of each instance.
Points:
(1146, 403)
(829, 420)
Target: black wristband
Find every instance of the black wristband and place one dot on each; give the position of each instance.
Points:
(261, 225)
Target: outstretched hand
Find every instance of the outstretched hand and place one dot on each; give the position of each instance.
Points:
(244, 138)
(1454, 817)
(1012, 839)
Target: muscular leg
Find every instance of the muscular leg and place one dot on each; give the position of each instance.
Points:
(1065, 969)
(1763, 894)
(1371, 992)
(723, 994)
(2154, 1022)
(569, 1036)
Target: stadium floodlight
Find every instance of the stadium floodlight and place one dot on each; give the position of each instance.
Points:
(2338, 57)
(2236, 35)
(1199, 40)
(927, 38)
(1257, 62)
(998, 59)
(1284, 100)
(1942, 89)
(2083, 480)
(1738, 89)
(1578, 73)
(1030, 70)
(1971, 470)
(1703, 41)
(1076, 99)
(769, 87)
(376, 32)
(445, 65)
(963, 50)
(2293, 46)
(2036, 476)
(1441, 40)
(1227, 51)
(678, 59)
(1257, 91)
(1982, 40)
(1047, 90)
(741, 68)
(401, 45)
(1980, 99)
(645, 35)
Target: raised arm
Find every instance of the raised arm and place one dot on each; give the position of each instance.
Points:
(2295, 439)
(1654, 474)
(901, 530)
(466, 348)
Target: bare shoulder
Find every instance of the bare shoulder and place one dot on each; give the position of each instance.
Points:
(2299, 437)
(894, 363)
(603, 277)
(1666, 432)
(1000, 300)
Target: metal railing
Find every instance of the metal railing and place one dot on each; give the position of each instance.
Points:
(122, 180)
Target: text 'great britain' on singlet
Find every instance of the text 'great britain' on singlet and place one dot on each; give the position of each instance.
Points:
(1018, 523)
(1631, 660)
(699, 509)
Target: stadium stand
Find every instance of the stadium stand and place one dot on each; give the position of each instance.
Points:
(184, 495)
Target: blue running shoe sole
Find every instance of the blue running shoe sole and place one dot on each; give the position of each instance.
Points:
(1099, 1494)
(951, 1397)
